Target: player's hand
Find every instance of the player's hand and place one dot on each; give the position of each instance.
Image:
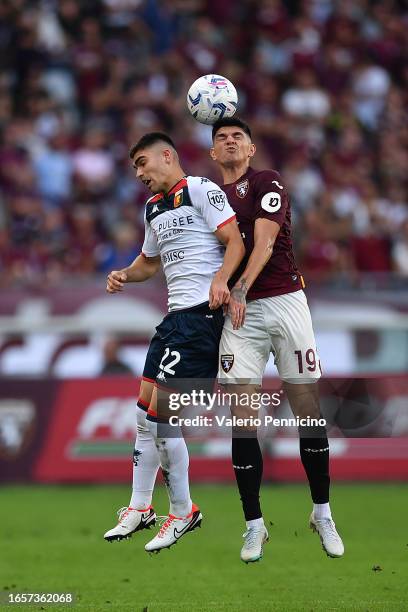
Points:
(116, 280)
(237, 307)
(219, 293)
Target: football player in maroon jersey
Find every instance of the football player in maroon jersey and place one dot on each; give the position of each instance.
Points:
(277, 321)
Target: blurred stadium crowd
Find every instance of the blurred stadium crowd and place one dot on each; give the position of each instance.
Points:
(323, 85)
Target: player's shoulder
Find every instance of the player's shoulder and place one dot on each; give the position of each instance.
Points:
(202, 188)
(152, 206)
(154, 199)
(267, 176)
(201, 183)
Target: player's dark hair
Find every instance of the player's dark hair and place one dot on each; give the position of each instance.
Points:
(148, 140)
(231, 122)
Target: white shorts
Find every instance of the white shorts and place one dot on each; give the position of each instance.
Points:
(280, 325)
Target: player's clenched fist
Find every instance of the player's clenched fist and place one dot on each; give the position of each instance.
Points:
(116, 280)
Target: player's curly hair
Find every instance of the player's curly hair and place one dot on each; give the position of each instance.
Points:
(231, 122)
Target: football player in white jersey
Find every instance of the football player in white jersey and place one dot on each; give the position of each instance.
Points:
(191, 230)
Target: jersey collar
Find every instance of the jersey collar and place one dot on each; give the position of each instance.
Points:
(179, 185)
(248, 172)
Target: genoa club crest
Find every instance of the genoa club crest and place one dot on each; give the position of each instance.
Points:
(178, 198)
(227, 361)
(242, 188)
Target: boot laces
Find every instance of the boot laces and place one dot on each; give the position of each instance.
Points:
(251, 536)
(122, 513)
(164, 522)
(329, 528)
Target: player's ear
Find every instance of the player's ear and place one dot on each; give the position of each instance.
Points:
(212, 154)
(167, 155)
(252, 150)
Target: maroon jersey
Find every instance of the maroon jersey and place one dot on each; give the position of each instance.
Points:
(260, 194)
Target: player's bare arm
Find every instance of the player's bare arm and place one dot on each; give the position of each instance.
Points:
(265, 233)
(230, 237)
(141, 269)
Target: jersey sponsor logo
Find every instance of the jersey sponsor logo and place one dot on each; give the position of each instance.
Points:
(227, 361)
(242, 188)
(178, 198)
(216, 198)
(271, 202)
(277, 184)
(173, 256)
(175, 222)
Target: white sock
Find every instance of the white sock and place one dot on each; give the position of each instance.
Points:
(146, 462)
(255, 523)
(322, 511)
(174, 462)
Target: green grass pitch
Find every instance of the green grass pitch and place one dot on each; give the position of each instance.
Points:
(51, 541)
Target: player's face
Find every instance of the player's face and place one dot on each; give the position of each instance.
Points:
(232, 146)
(152, 167)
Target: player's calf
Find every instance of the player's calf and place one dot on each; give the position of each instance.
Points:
(130, 521)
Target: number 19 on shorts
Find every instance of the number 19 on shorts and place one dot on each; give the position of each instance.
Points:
(307, 360)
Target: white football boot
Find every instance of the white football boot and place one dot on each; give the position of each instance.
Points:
(173, 529)
(131, 520)
(331, 541)
(254, 539)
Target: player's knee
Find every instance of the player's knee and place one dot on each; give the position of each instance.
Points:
(242, 399)
(145, 392)
(303, 398)
(245, 419)
(151, 425)
(141, 420)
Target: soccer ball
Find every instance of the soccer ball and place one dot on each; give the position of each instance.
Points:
(212, 97)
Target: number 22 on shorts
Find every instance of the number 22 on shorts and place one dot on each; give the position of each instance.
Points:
(168, 368)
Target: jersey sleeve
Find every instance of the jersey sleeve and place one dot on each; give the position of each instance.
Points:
(211, 201)
(271, 197)
(150, 247)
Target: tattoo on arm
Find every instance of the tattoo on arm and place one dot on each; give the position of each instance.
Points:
(243, 285)
(239, 292)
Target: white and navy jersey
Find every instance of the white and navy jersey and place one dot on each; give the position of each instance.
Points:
(180, 226)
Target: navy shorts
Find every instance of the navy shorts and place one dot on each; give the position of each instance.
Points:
(185, 346)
